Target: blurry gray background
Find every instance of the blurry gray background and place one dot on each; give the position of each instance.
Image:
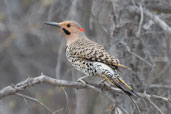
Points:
(28, 48)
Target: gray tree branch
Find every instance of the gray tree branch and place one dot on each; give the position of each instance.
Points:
(43, 79)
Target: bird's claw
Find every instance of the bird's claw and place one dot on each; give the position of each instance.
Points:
(82, 81)
(102, 81)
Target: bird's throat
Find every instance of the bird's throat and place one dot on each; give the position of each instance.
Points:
(71, 39)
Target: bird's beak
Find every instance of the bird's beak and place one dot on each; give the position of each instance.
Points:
(53, 24)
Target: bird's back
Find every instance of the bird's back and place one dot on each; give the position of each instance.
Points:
(86, 49)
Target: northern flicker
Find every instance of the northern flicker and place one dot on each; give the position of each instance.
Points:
(90, 57)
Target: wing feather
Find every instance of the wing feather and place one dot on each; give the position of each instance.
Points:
(90, 50)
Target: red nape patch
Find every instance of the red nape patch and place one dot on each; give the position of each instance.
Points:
(81, 29)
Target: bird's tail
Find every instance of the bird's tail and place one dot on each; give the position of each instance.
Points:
(118, 82)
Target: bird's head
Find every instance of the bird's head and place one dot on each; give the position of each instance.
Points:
(71, 29)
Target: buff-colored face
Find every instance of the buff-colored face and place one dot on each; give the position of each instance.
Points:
(69, 28)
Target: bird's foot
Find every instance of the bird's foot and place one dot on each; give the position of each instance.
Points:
(81, 79)
(102, 81)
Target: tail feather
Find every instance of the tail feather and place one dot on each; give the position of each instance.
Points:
(121, 85)
(126, 85)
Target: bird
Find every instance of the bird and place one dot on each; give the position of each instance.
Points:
(90, 57)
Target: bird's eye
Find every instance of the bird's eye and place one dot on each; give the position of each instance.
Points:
(68, 25)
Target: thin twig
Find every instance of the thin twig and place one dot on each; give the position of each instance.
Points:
(141, 21)
(153, 17)
(157, 86)
(26, 101)
(66, 96)
(142, 59)
(137, 107)
(58, 110)
(123, 109)
(0, 106)
(154, 105)
(36, 101)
